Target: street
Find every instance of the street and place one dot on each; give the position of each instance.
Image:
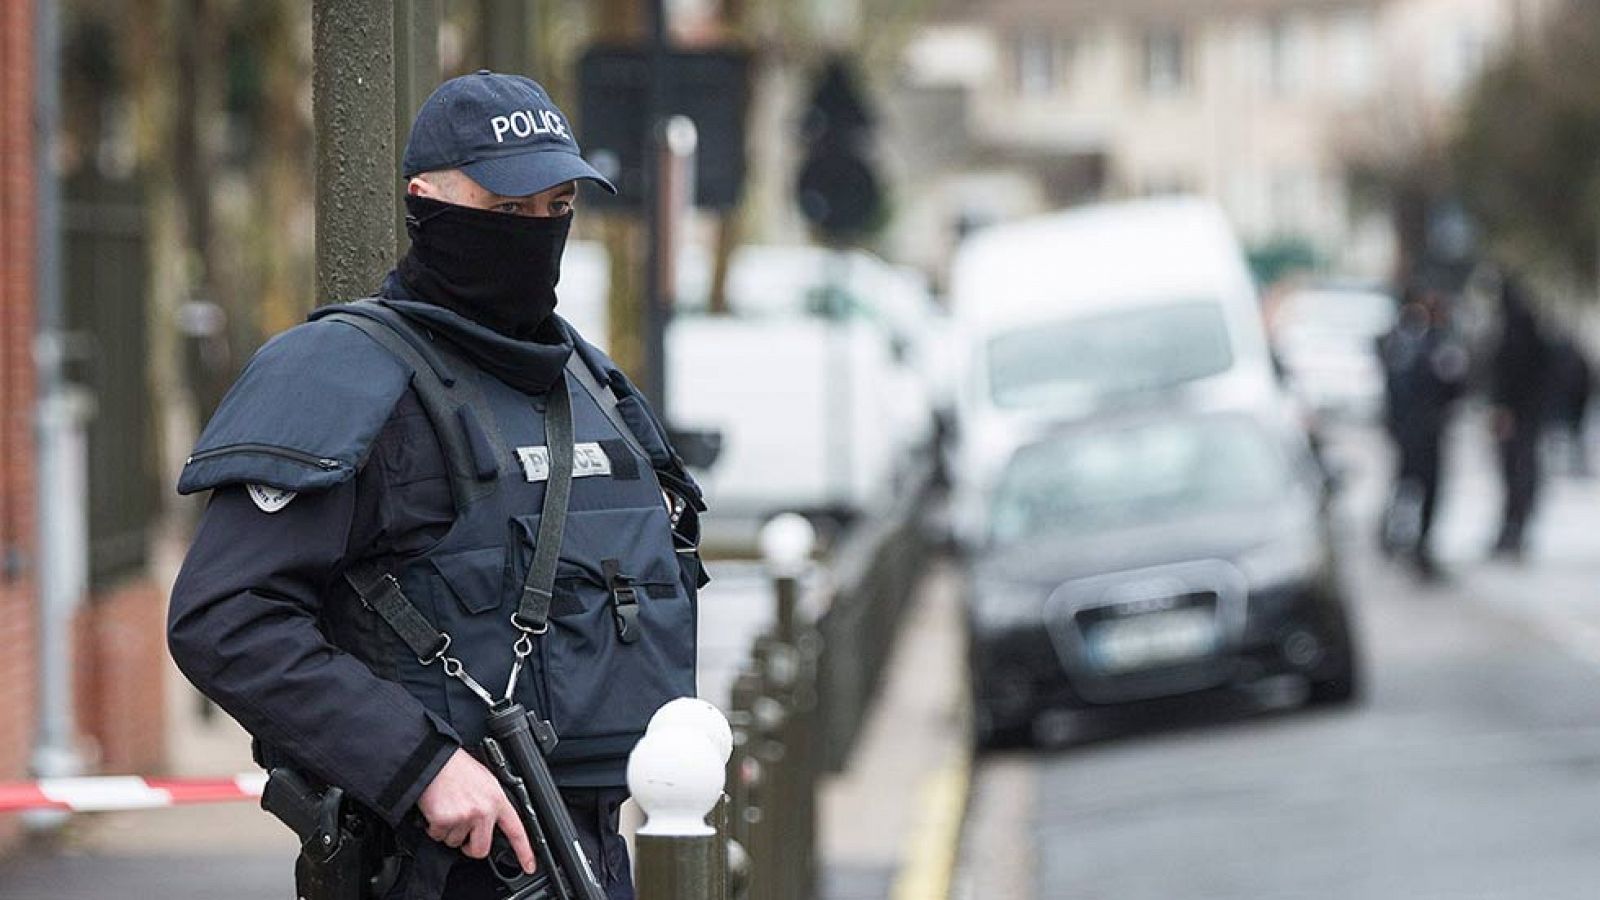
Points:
(1469, 771)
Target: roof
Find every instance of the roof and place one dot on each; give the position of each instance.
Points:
(1092, 257)
(1011, 13)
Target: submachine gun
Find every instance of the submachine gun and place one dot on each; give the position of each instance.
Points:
(515, 751)
(344, 854)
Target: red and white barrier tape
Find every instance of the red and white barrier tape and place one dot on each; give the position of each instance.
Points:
(122, 792)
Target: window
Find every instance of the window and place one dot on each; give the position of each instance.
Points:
(1166, 62)
(1278, 69)
(1146, 473)
(1038, 63)
(1065, 364)
(1288, 43)
(1355, 62)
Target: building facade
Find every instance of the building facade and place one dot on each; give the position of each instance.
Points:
(1259, 104)
(117, 642)
(17, 522)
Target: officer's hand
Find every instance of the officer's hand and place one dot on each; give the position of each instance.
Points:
(465, 803)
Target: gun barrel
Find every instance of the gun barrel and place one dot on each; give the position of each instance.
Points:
(511, 727)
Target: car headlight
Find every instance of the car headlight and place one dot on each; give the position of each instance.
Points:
(1296, 557)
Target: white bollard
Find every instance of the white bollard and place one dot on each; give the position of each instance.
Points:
(696, 715)
(787, 542)
(670, 772)
(676, 775)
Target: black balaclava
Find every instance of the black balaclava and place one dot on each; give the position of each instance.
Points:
(497, 269)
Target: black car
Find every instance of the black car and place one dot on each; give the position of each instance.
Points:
(1137, 557)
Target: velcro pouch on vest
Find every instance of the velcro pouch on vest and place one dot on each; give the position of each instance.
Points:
(302, 415)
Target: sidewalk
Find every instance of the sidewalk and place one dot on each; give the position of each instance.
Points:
(222, 850)
(889, 825)
(196, 746)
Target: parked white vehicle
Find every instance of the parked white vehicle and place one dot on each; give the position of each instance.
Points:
(821, 394)
(1109, 304)
(824, 400)
(1327, 339)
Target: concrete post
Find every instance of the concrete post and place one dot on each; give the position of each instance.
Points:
(353, 113)
(416, 74)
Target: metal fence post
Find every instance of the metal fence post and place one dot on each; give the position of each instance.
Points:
(786, 546)
(787, 543)
(744, 781)
(720, 877)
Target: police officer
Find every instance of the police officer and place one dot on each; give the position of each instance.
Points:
(403, 442)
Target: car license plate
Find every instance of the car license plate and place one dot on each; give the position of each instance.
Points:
(1153, 639)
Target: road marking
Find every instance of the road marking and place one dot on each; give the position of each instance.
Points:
(997, 856)
(930, 859)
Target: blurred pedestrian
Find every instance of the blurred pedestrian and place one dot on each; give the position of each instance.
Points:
(1520, 372)
(1425, 371)
(1571, 389)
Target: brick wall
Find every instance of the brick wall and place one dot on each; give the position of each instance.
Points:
(121, 706)
(16, 391)
(120, 650)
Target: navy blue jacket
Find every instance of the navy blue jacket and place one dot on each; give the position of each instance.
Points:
(249, 620)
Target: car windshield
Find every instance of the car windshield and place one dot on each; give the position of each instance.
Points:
(1067, 362)
(1135, 475)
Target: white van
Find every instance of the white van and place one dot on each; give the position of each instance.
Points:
(821, 413)
(1109, 304)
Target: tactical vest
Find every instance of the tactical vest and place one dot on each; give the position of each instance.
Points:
(618, 638)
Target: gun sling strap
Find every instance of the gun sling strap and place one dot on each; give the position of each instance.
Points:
(379, 590)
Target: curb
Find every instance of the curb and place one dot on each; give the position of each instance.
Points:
(929, 865)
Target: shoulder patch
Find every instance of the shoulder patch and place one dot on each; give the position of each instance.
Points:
(269, 499)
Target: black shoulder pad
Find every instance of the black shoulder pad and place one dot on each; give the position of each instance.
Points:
(303, 413)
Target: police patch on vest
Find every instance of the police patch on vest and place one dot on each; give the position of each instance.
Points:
(269, 499)
(588, 460)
